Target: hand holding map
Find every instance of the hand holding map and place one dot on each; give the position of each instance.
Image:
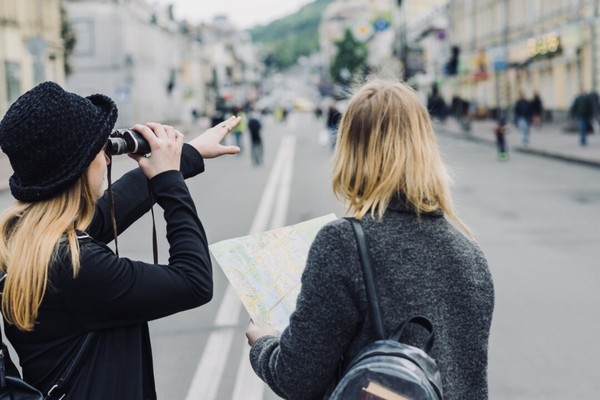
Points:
(265, 268)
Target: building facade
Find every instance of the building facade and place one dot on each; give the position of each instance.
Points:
(233, 64)
(132, 53)
(31, 47)
(157, 68)
(506, 47)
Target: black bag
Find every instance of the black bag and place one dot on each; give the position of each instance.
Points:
(13, 387)
(388, 369)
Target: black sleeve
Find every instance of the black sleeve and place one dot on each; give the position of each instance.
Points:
(110, 291)
(132, 198)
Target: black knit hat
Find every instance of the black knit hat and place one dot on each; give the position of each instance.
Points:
(51, 136)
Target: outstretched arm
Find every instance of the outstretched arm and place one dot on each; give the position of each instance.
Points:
(130, 192)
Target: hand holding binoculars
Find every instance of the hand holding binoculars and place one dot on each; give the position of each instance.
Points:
(122, 141)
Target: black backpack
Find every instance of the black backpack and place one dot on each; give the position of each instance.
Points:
(388, 369)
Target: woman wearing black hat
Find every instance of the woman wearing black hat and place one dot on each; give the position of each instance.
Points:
(62, 281)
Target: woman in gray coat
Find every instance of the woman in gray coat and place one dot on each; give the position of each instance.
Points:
(389, 171)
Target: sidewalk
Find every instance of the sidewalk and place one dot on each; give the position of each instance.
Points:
(550, 140)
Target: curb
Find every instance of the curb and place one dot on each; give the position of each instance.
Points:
(557, 156)
(521, 149)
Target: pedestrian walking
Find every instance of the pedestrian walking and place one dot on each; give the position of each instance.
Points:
(537, 110)
(284, 114)
(255, 127)
(522, 117)
(388, 169)
(582, 111)
(460, 111)
(333, 120)
(217, 118)
(500, 130)
(436, 105)
(318, 111)
(595, 99)
(63, 286)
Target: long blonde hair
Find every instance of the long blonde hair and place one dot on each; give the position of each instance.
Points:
(30, 234)
(386, 147)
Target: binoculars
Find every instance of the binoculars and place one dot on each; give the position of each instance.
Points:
(123, 141)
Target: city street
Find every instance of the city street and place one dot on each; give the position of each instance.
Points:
(536, 219)
(512, 89)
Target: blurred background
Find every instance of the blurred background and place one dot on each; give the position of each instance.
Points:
(177, 61)
(475, 63)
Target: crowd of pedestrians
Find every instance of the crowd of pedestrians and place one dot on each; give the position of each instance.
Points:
(527, 117)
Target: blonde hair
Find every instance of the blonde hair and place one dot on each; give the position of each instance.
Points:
(30, 234)
(386, 147)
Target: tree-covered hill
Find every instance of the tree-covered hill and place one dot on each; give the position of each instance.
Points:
(288, 38)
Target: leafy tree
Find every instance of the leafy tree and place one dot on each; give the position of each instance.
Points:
(351, 58)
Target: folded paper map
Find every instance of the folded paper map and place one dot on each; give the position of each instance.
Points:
(265, 268)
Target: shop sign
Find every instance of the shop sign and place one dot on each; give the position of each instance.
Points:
(545, 46)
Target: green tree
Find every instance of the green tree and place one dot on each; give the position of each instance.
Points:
(351, 58)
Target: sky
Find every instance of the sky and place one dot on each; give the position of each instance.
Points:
(242, 13)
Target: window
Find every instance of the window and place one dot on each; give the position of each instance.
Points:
(84, 31)
(534, 10)
(13, 81)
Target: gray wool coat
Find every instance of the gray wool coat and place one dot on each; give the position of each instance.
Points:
(423, 266)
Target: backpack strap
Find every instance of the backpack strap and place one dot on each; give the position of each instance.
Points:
(422, 321)
(365, 258)
(372, 299)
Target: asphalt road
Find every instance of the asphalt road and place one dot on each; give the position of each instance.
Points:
(536, 219)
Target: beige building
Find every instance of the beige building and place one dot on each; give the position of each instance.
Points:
(31, 49)
(507, 46)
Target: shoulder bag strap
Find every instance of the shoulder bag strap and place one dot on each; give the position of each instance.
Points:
(365, 259)
(63, 384)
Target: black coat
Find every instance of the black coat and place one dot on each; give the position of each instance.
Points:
(333, 117)
(116, 297)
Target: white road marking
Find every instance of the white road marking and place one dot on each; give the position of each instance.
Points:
(248, 386)
(209, 372)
